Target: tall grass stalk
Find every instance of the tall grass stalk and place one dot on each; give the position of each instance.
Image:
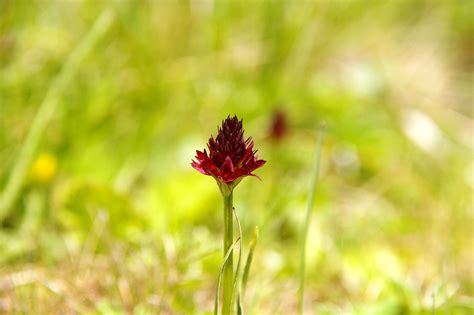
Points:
(47, 109)
(304, 235)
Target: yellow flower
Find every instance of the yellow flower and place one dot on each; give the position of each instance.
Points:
(44, 167)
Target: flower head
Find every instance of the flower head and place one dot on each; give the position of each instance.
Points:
(44, 168)
(230, 158)
(279, 126)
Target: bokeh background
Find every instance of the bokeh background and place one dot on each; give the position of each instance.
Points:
(110, 218)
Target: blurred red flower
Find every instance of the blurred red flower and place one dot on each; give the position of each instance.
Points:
(231, 158)
(279, 126)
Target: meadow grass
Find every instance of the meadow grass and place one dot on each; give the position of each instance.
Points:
(123, 225)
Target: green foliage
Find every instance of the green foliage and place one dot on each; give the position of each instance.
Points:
(118, 222)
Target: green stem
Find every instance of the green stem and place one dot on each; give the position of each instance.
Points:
(304, 235)
(228, 281)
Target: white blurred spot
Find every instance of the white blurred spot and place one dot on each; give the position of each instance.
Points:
(469, 175)
(421, 129)
(273, 261)
(346, 158)
(187, 152)
(362, 79)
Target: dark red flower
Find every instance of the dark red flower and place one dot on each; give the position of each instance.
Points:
(230, 158)
(279, 126)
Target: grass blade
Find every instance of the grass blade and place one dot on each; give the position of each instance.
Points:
(240, 310)
(304, 235)
(245, 275)
(248, 262)
(47, 109)
(237, 270)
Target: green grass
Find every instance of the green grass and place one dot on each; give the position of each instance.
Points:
(304, 231)
(115, 220)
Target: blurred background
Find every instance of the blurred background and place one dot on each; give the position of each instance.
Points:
(103, 214)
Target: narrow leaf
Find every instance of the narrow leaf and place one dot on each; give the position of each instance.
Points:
(237, 271)
(248, 262)
(219, 278)
(304, 235)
